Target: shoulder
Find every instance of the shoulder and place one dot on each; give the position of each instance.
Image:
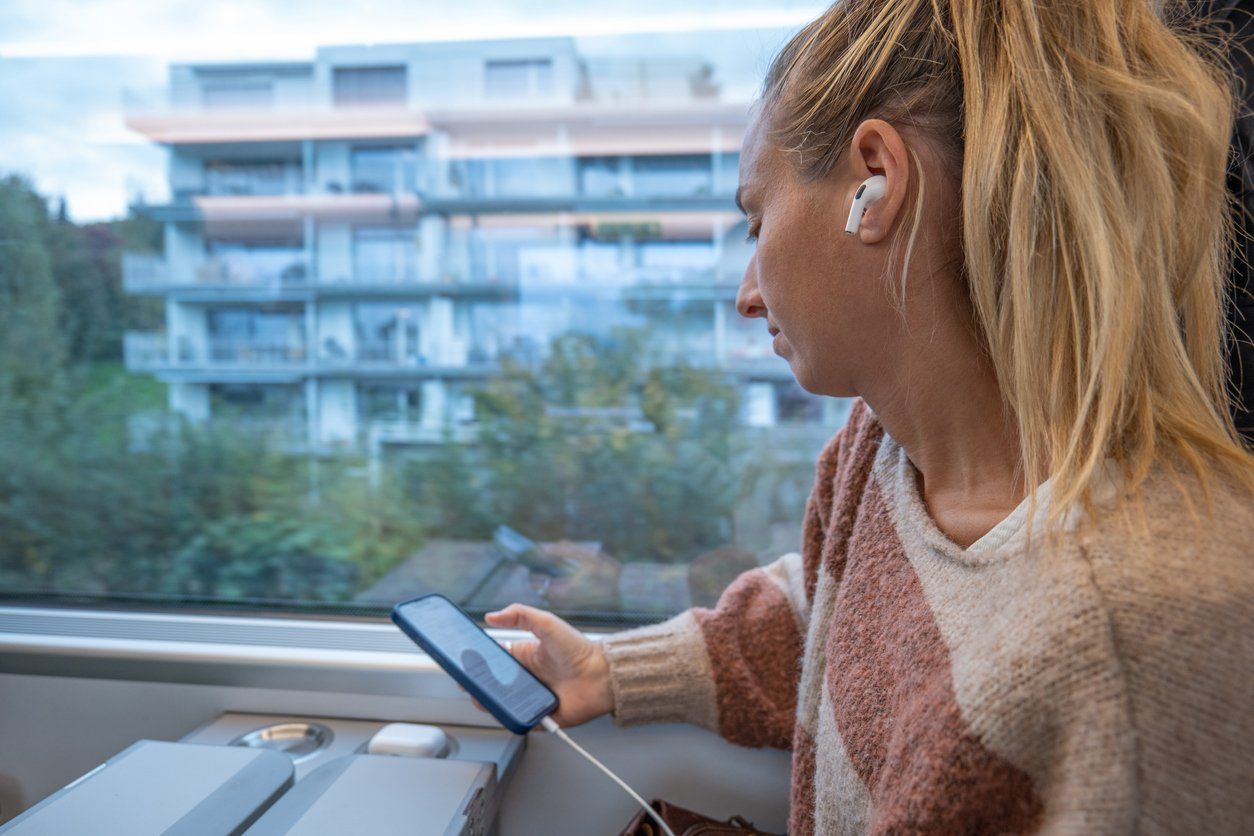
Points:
(1174, 536)
(1177, 580)
(1177, 584)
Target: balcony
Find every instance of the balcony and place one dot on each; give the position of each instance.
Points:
(222, 179)
(152, 273)
(144, 351)
(143, 272)
(149, 352)
(273, 271)
(165, 116)
(245, 352)
(380, 432)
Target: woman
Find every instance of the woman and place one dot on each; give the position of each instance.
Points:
(1025, 599)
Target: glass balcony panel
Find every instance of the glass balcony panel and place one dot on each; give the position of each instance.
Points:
(247, 263)
(384, 170)
(223, 177)
(672, 176)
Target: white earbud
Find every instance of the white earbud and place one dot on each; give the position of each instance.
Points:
(871, 190)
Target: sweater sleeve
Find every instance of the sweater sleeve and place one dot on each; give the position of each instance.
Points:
(735, 669)
(732, 669)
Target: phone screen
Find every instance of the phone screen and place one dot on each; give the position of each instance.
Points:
(473, 658)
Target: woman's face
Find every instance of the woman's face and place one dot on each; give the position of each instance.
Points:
(826, 295)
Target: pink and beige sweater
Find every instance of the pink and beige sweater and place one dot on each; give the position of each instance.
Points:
(1102, 684)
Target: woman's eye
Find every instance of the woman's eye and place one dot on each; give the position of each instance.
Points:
(751, 237)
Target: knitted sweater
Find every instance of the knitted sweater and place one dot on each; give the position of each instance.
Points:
(1101, 684)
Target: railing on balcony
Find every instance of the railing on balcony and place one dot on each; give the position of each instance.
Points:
(288, 270)
(380, 431)
(143, 350)
(254, 352)
(253, 180)
(454, 352)
(144, 270)
(148, 271)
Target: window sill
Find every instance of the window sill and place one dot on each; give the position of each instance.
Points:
(346, 657)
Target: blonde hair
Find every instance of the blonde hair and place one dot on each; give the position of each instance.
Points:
(1092, 139)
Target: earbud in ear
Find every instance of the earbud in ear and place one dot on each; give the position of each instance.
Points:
(871, 190)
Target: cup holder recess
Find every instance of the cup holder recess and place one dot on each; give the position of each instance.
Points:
(299, 741)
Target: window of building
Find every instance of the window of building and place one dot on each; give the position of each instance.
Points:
(255, 335)
(385, 254)
(384, 169)
(251, 177)
(223, 95)
(389, 402)
(520, 78)
(368, 86)
(388, 333)
(268, 260)
(673, 175)
(601, 177)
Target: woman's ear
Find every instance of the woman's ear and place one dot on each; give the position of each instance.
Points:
(877, 148)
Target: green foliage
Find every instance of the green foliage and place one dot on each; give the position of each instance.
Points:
(103, 491)
(32, 351)
(595, 445)
(204, 512)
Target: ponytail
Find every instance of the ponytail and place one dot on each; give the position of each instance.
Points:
(1090, 144)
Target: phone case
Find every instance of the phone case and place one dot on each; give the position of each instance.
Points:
(515, 725)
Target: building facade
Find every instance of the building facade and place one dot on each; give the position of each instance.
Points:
(352, 243)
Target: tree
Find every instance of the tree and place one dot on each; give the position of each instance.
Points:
(32, 350)
(595, 444)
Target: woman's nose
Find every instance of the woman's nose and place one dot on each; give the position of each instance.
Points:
(748, 299)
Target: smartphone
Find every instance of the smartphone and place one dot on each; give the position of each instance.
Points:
(504, 687)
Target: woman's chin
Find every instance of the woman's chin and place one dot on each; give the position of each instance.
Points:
(816, 384)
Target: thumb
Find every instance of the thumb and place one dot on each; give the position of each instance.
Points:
(522, 617)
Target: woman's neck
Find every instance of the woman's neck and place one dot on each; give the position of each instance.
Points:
(950, 419)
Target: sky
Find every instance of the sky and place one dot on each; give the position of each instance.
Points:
(65, 65)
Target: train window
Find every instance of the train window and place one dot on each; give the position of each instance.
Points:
(304, 311)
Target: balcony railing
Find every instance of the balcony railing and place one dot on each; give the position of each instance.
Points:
(241, 271)
(254, 352)
(146, 272)
(253, 181)
(141, 271)
(381, 431)
(144, 350)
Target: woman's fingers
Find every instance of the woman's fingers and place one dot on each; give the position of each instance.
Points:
(523, 617)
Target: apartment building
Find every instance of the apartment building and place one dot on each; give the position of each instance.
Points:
(353, 242)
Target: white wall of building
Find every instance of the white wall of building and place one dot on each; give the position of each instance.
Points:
(187, 331)
(337, 412)
(185, 251)
(332, 167)
(190, 400)
(336, 338)
(335, 251)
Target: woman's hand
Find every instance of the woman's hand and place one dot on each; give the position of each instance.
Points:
(574, 667)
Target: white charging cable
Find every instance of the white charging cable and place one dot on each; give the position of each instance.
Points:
(554, 728)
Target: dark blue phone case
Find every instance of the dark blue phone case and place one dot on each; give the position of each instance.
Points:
(518, 725)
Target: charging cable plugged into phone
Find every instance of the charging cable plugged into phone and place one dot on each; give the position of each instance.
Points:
(490, 674)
